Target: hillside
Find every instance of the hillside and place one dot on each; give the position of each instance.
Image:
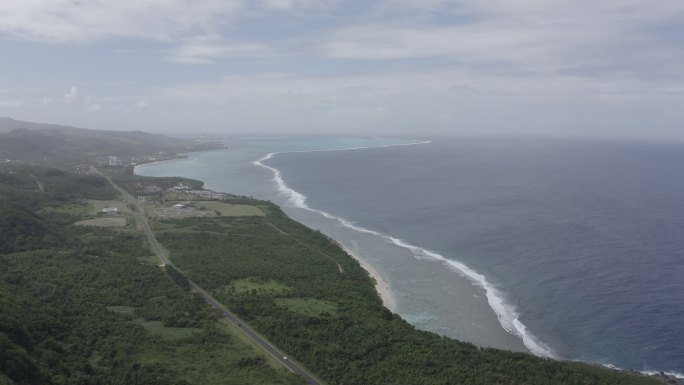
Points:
(49, 144)
(84, 303)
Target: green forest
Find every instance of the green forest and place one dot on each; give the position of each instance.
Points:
(91, 305)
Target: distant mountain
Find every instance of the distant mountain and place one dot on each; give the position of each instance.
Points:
(8, 124)
(41, 143)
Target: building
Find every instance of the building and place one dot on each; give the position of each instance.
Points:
(114, 160)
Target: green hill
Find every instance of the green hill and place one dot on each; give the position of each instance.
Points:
(50, 144)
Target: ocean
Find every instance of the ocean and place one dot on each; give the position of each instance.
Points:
(566, 248)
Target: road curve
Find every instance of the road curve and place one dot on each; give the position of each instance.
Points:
(225, 313)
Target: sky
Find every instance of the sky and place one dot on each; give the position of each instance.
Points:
(586, 68)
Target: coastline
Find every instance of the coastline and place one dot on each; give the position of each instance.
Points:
(504, 313)
(382, 286)
(387, 296)
(476, 314)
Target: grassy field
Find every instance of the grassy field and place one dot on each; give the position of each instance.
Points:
(88, 208)
(247, 285)
(227, 359)
(229, 328)
(179, 196)
(157, 328)
(148, 208)
(97, 206)
(78, 209)
(307, 306)
(180, 213)
(103, 222)
(231, 210)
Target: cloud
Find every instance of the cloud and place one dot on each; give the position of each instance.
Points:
(11, 103)
(518, 65)
(88, 21)
(523, 36)
(73, 96)
(94, 107)
(295, 5)
(456, 101)
(208, 49)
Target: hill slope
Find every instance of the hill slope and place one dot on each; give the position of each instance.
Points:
(40, 143)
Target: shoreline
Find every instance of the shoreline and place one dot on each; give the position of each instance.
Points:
(506, 315)
(495, 314)
(382, 286)
(388, 299)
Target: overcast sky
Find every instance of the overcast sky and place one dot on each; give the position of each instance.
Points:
(475, 67)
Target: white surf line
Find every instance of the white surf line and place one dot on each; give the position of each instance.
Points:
(668, 373)
(506, 313)
(649, 372)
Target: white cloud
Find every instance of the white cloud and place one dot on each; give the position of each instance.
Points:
(294, 5)
(525, 36)
(84, 21)
(522, 65)
(209, 48)
(94, 107)
(11, 103)
(92, 20)
(73, 96)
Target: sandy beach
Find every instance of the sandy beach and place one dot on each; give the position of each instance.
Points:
(381, 284)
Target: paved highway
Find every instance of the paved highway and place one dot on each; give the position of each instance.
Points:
(249, 332)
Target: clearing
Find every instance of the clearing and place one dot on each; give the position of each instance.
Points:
(246, 285)
(231, 210)
(158, 329)
(103, 222)
(307, 306)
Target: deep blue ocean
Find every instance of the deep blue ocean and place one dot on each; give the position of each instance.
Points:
(579, 244)
(585, 239)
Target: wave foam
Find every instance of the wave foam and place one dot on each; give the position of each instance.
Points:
(505, 312)
(677, 375)
(668, 373)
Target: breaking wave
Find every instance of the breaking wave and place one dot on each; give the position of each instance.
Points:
(506, 313)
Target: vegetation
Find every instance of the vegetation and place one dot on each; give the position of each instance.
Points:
(231, 210)
(50, 144)
(283, 279)
(103, 222)
(140, 185)
(80, 307)
(88, 305)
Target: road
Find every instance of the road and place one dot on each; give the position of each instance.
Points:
(253, 335)
(38, 183)
(225, 313)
